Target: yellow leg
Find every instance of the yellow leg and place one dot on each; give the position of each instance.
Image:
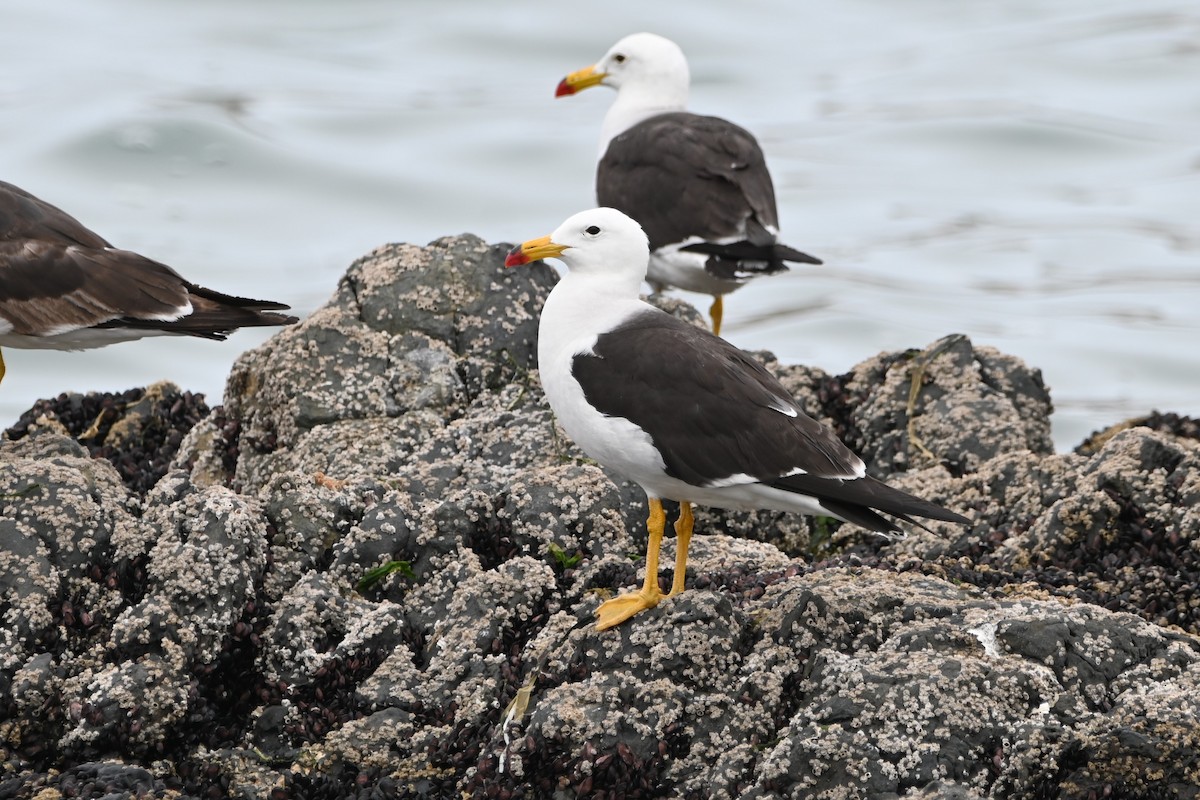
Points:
(614, 612)
(2, 369)
(683, 537)
(717, 311)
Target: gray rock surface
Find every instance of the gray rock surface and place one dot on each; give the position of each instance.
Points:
(373, 573)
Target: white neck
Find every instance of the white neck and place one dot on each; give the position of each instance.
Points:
(634, 104)
(591, 288)
(580, 307)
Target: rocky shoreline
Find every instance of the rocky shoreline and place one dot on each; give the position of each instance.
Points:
(372, 573)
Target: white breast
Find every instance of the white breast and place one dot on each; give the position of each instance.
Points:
(570, 325)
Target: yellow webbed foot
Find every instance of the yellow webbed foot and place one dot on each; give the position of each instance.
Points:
(613, 612)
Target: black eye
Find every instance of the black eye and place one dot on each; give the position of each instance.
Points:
(620, 59)
(591, 230)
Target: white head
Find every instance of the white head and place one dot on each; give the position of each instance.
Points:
(601, 243)
(649, 73)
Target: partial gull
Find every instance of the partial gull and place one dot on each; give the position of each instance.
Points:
(697, 185)
(63, 287)
(682, 413)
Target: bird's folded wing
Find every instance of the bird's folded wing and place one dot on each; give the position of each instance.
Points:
(715, 415)
(684, 176)
(48, 288)
(23, 216)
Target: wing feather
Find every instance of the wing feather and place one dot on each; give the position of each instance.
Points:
(23, 216)
(57, 276)
(50, 288)
(711, 410)
(683, 175)
(718, 417)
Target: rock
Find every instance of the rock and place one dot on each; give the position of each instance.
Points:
(975, 403)
(373, 572)
(59, 512)
(1174, 424)
(409, 330)
(138, 431)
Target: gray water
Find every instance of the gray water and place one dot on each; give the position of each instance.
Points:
(1027, 173)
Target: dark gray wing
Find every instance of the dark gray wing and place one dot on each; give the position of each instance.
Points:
(684, 176)
(857, 501)
(713, 412)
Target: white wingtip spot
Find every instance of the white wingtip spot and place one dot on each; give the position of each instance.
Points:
(732, 480)
(784, 407)
(179, 312)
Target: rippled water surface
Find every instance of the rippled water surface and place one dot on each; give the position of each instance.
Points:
(1027, 173)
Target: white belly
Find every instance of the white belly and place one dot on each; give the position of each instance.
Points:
(78, 339)
(686, 271)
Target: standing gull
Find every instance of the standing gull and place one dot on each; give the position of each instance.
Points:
(682, 413)
(62, 287)
(697, 185)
